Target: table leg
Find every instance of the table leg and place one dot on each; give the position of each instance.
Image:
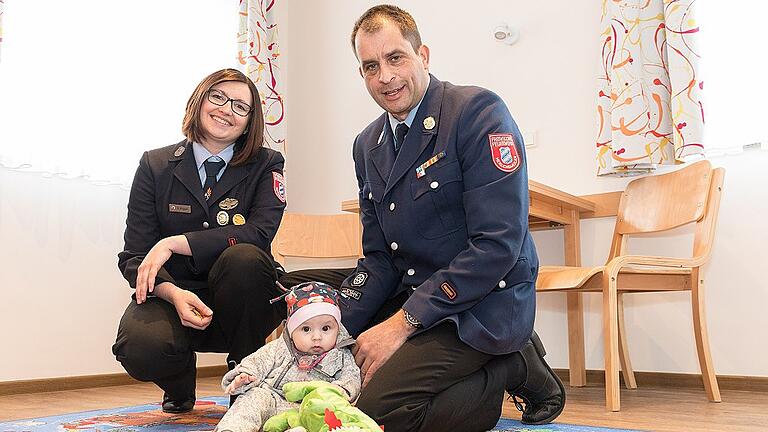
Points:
(576, 363)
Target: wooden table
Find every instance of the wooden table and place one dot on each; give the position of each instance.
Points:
(551, 208)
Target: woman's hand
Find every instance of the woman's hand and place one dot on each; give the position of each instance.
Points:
(239, 381)
(192, 311)
(154, 261)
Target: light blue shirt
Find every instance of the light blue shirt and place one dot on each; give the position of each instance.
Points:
(202, 154)
(393, 122)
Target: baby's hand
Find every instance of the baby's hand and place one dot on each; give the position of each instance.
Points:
(239, 381)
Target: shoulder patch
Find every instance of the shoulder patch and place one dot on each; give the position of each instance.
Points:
(360, 279)
(278, 185)
(448, 290)
(504, 152)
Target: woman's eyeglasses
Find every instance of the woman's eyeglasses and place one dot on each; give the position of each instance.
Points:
(217, 97)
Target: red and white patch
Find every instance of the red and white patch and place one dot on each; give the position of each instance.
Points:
(278, 185)
(504, 152)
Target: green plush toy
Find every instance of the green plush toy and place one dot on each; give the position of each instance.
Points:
(324, 407)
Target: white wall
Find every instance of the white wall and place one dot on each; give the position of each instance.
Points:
(63, 294)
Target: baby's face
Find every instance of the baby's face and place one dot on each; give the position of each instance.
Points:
(316, 335)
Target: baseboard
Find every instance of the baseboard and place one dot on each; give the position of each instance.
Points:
(594, 377)
(678, 380)
(88, 381)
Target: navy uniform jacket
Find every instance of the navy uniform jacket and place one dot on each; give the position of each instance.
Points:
(167, 199)
(456, 237)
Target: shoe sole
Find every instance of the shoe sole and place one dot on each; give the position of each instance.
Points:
(177, 411)
(539, 347)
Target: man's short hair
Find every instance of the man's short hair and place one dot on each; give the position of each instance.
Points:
(374, 18)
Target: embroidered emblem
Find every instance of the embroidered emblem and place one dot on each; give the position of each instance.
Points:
(448, 290)
(180, 208)
(278, 185)
(238, 219)
(232, 241)
(228, 203)
(421, 169)
(359, 279)
(179, 151)
(429, 123)
(504, 152)
(353, 293)
(222, 218)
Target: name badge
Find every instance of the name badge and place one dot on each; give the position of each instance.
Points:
(180, 208)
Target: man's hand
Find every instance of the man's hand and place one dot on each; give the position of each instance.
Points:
(192, 311)
(376, 345)
(154, 261)
(239, 381)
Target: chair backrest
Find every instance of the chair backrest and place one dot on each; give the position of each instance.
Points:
(663, 202)
(317, 236)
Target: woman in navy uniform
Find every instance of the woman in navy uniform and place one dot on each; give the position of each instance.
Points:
(201, 216)
(443, 192)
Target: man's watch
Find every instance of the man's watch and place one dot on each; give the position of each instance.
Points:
(411, 320)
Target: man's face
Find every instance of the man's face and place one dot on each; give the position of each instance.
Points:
(395, 75)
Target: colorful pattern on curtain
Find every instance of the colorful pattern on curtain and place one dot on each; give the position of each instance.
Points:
(259, 54)
(649, 101)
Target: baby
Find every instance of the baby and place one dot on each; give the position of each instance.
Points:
(314, 346)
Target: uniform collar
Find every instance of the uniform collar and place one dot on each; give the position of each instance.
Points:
(202, 154)
(393, 122)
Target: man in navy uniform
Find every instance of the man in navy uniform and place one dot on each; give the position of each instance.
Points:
(445, 296)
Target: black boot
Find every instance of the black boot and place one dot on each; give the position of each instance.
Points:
(542, 391)
(177, 406)
(179, 390)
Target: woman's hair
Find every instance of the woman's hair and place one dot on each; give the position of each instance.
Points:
(247, 144)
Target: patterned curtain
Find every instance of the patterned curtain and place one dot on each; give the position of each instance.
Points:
(259, 54)
(649, 106)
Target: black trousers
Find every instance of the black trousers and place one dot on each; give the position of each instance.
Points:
(152, 345)
(434, 382)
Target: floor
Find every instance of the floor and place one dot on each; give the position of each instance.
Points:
(658, 409)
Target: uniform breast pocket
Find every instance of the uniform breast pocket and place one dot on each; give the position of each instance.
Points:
(437, 200)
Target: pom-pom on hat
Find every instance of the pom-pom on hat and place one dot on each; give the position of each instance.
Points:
(308, 300)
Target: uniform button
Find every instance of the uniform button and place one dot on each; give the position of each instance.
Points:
(370, 195)
(393, 245)
(205, 225)
(391, 206)
(434, 185)
(502, 284)
(411, 272)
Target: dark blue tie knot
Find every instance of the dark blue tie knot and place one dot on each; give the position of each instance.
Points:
(400, 131)
(212, 167)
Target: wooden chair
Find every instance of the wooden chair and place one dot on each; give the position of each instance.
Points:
(651, 205)
(317, 237)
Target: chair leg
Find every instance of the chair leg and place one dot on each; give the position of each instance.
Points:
(702, 338)
(611, 342)
(275, 333)
(626, 363)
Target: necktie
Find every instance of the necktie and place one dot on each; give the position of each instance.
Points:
(212, 168)
(400, 131)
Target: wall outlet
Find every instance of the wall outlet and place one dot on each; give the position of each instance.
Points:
(529, 138)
